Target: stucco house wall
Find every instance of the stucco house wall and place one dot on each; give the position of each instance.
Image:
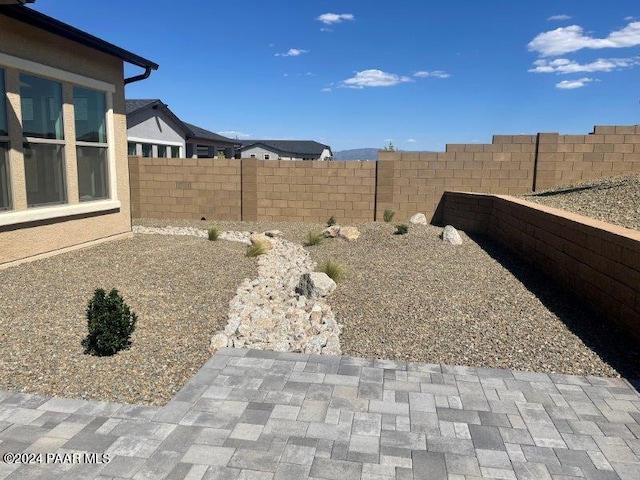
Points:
(154, 127)
(260, 152)
(25, 232)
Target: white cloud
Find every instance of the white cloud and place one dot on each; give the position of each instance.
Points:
(571, 84)
(326, 89)
(570, 39)
(325, 29)
(293, 52)
(374, 78)
(564, 65)
(559, 17)
(411, 140)
(435, 73)
(234, 134)
(331, 18)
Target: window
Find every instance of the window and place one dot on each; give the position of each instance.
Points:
(91, 144)
(5, 195)
(266, 156)
(42, 127)
(162, 151)
(147, 150)
(132, 148)
(175, 152)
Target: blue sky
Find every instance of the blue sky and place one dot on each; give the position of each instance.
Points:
(362, 73)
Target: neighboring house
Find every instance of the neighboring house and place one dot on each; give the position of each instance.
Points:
(285, 150)
(64, 177)
(153, 130)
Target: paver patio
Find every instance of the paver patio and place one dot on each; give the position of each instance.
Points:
(251, 414)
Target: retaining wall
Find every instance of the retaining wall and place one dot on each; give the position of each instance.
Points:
(598, 261)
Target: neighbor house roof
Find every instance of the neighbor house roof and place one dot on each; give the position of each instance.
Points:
(289, 146)
(190, 131)
(201, 133)
(44, 22)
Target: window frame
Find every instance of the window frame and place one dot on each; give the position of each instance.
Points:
(6, 144)
(31, 214)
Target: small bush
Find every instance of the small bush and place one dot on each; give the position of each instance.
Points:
(110, 324)
(332, 221)
(388, 215)
(334, 270)
(213, 234)
(314, 238)
(255, 250)
(401, 229)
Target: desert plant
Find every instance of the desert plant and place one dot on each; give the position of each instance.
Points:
(213, 234)
(388, 215)
(110, 324)
(255, 250)
(333, 269)
(332, 221)
(401, 229)
(314, 238)
(390, 148)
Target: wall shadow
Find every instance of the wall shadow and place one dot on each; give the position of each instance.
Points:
(608, 341)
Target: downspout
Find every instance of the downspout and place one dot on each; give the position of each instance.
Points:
(137, 78)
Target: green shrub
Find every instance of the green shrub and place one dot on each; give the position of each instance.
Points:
(332, 221)
(255, 250)
(314, 238)
(333, 269)
(401, 229)
(388, 215)
(110, 323)
(213, 234)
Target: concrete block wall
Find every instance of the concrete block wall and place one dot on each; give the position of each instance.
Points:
(313, 191)
(185, 188)
(405, 182)
(598, 261)
(609, 150)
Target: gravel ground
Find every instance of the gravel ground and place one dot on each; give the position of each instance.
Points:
(179, 287)
(612, 199)
(408, 297)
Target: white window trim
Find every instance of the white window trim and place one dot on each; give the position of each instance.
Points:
(11, 217)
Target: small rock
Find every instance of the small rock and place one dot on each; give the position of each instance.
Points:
(451, 235)
(315, 284)
(261, 239)
(418, 219)
(273, 233)
(349, 233)
(331, 232)
(218, 341)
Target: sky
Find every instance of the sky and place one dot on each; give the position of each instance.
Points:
(363, 73)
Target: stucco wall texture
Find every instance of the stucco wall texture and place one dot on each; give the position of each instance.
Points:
(22, 241)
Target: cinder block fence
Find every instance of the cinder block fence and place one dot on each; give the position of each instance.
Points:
(405, 182)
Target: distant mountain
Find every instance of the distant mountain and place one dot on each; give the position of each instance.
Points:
(357, 154)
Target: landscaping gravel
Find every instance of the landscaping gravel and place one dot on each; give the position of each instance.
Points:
(612, 199)
(405, 297)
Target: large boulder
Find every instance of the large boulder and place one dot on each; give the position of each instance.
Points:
(349, 233)
(315, 284)
(418, 219)
(261, 239)
(451, 235)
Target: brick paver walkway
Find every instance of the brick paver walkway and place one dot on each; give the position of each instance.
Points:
(252, 414)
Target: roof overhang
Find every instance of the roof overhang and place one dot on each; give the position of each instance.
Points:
(49, 24)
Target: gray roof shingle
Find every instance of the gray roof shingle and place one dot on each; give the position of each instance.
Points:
(299, 147)
(207, 135)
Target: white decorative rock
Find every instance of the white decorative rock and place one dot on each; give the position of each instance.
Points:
(418, 219)
(315, 284)
(218, 341)
(349, 233)
(451, 235)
